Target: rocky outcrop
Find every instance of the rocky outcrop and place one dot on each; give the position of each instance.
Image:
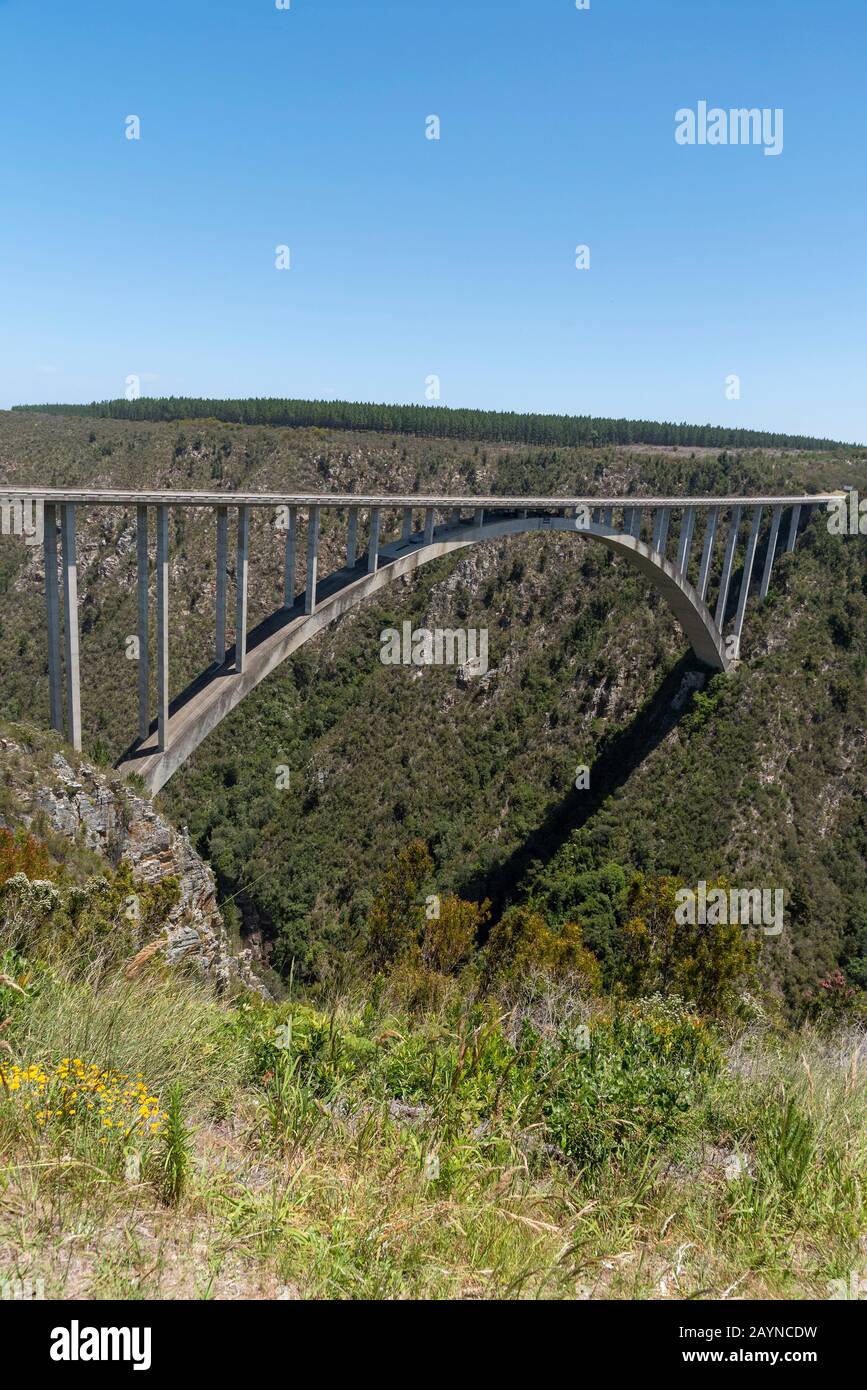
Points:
(104, 814)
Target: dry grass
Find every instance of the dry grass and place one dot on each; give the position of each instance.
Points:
(297, 1194)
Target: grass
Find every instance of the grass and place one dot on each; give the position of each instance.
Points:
(363, 1151)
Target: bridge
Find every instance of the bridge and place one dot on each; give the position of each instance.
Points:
(637, 528)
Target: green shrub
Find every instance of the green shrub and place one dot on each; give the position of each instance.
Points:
(176, 1155)
(522, 945)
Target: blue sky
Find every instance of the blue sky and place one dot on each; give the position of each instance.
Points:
(455, 258)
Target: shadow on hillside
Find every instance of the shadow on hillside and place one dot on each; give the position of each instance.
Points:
(618, 757)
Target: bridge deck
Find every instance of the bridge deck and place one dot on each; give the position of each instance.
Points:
(111, 498)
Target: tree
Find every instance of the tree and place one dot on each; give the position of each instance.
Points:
(448, 939)
(396, 919)
(522, 945)
(706, 964)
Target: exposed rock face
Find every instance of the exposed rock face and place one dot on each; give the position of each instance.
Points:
(106, 815)
(692, 680)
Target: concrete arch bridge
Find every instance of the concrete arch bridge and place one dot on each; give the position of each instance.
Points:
(637, 528)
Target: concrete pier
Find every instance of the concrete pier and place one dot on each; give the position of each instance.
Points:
(660, 529)
(162, 627)
(725, 580)
(776, 517)
(242, 566)
(373, 543)
(222, 584)
(52, 617)
(684, 543)
(144, 668)
(352, 538)
(70, 627)
(707, 552)
(312, 559)
(289, 554)
(747, 575)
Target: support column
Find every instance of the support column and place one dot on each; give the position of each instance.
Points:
(241, 573)
(373, 544)
(406, 528)
(731, 542)
(162, 627)
(793, 528)
(660, 529)
(479, 516)
(772, 549)
(289, 559)
(429, 519)
(749, 560)
(312, 559)
(352, 538)
(707, 552)
(455, 518)
(52, 613)
(70, 626)
(684, 544)
(222, 584)
(608, 517)
(144, 668)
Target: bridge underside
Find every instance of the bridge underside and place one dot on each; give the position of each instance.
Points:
(217, 691)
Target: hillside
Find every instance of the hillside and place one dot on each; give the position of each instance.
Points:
(164, 1137)
(586, 668)
(439, 422)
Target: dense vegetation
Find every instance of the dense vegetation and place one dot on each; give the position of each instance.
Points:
(440, 422)
(759, 777)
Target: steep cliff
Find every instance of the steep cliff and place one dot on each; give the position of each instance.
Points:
(56, 795)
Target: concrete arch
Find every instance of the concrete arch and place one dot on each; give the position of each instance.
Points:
(198, 710)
